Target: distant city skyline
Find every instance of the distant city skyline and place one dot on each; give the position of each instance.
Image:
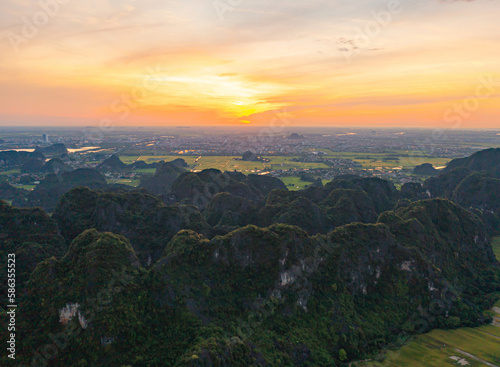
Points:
(431, 63)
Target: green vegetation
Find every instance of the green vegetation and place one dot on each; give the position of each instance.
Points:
(495, 243)
(295, 183)
(254, 295)
(145, 170)
(27, 187)
(221, 268)
(47, 194)
(405, 159)
(438, 347)
(402, 160)
(228, 163)
(124, 181)
(144, 219)
(434, 349)
(30, 234)
(473, 182)
(10, 172)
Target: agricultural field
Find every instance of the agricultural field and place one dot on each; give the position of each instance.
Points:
(389, 160)
(382, 161)
(129, 159)
(10, 172)
(486, 145)
(26, 187)
(124, 181)
(392, 160)
(495, 243)
(227, 163)
(294, 183)
(461, 347)
(145, 170)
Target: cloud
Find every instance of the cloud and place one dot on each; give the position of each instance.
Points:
(264, 54)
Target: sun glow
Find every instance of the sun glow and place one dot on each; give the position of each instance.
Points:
(158, 65)
(215, 92)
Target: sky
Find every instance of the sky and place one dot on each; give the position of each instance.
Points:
(397, 63)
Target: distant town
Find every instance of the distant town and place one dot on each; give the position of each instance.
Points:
(299, 157)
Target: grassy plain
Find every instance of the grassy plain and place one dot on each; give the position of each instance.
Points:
(226, 163)
(27, 187)
(10, 172)
(389, 160)
(294, 183)
(124, 181)
(385, 161)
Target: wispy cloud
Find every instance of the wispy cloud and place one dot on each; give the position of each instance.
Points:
(263, 56)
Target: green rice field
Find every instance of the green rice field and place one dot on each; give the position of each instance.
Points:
(395, 160)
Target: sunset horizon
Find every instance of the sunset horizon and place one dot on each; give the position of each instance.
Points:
(383, 64)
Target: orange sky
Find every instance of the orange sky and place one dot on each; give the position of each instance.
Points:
(332, 63)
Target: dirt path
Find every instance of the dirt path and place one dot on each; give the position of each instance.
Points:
(475, 358)
(490, 334)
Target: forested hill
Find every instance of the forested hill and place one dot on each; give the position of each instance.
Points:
(222, 269)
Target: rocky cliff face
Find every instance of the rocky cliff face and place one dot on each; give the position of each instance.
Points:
(199, 188)
(484, 160)
(56, 166)
(413, 191)
(473, 182)
(229, 211)
(273, 294)
(113, 163)
(479, 190)
(48, 192)
(453, 239)
(11, 158)
(266, 184)
(332, 271)
(142, 218)
(161, 183)
(30, 234)
(383, 194)
(90, 288)
(9, 192)
(425, 169)
(321, 209)
(54, 149)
